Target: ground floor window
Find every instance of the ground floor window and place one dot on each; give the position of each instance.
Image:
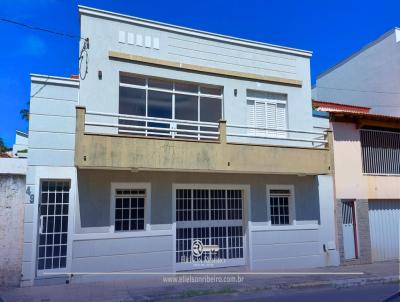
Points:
(129, 209)
(281, 204)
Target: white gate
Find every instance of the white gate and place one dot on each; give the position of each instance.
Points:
(384, 223)
(348, 227)
(53, 226)
(211, 218)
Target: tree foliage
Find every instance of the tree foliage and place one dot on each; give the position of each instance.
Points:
(3, 147)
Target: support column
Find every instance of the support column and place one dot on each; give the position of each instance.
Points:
(327, 220)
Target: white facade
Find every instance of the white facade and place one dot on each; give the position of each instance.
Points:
(112, 220)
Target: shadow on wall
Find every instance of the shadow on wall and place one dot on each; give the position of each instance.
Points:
(345, 132)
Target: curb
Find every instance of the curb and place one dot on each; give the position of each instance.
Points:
(344, 283)
(176, 292)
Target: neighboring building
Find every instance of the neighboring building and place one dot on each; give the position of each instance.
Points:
(175, 135)
(370, 77)
(367, 182)
(12, 197)
(20, 148)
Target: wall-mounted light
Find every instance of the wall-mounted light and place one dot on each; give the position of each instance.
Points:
(235, 92)
(100, 74)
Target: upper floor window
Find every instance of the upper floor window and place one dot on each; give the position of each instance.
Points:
(164, 102)
(266, 112)
(380, 151)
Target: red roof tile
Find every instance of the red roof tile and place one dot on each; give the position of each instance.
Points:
(337, 107)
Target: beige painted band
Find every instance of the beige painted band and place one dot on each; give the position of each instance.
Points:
(203, 69)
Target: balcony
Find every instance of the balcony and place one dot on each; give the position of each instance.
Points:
(116, 141)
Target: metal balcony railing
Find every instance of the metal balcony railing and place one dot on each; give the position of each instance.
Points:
(111, 123)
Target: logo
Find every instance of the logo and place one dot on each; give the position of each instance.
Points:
(198, 248)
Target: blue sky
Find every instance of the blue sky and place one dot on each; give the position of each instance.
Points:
(331, 29)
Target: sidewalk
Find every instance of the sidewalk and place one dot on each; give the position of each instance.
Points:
(155, 288)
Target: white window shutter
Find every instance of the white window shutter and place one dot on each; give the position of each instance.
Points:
(281, 122)
(260, 117)
(250, 117)
(271, 118)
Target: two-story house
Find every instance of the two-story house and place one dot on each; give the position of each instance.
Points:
(366, 149)
(173, 140)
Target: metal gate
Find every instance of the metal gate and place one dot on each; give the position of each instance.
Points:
(349, 230)
(209, 228)
(53, 226)
(384, 224)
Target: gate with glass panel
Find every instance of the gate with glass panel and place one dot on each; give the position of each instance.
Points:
(53, 226)
(209, 228)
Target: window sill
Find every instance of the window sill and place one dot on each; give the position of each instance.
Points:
(260, 228)
(118, 235)
(384, 175)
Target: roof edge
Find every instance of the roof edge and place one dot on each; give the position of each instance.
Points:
(340, 106)
(194, 32)
(21, 133)
(41, 78)
(364, 116)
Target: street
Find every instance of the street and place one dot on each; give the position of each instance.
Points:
(372, 293)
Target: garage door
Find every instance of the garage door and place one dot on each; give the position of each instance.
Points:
(384, 220)
(209, 228)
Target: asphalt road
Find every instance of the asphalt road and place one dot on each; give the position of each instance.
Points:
(372, 293)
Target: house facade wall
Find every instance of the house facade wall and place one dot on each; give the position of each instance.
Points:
(52, 135)
(205, 52)
(370, 77)
(51, 146)
(350, 182)
(268, 247)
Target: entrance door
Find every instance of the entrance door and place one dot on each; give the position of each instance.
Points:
(210, 218)
(53, 226)
(349, 230)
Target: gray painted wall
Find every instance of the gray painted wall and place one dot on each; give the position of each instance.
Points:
(94, 194)
(155, 253)
(369, 78)
(147, 253)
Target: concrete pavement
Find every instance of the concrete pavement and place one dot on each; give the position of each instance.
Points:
(229, 281)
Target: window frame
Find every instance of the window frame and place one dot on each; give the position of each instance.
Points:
(373, 161)
(292, 204)
(266, 101)
(173, 91)
(147, 204)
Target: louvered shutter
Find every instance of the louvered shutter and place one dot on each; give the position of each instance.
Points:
(271, 118)
(260, 118)
(251, 117)
(281, 119)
